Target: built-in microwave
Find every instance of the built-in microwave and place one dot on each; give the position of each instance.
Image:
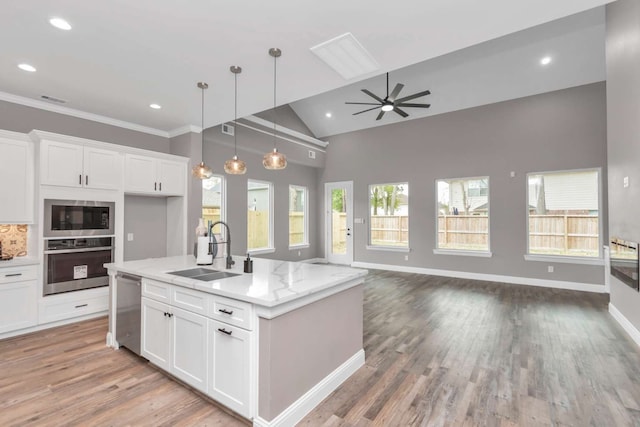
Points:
(69, 218)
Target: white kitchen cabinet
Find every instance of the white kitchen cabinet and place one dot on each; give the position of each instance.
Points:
(229, 353)
(154, 176)
(156, 333)
(176, 341)
(76, 165)
(16, 179)
(18, 298)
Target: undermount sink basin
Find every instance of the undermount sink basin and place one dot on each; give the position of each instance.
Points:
(204, 274)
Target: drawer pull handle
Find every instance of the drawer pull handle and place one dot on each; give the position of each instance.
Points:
(81, 305)
(224, 331)
(225, 311)
(13, 275)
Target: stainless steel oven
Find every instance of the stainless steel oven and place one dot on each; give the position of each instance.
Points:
(67, 218)
(72, 264)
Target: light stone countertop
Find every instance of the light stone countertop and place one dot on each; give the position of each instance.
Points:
(272, 282)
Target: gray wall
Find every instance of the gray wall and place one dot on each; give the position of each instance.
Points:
(217, 150)
(146, 218)
(554, 131)
(20, 118)
(623, 131)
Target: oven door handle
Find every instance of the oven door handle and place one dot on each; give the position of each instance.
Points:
(73, 251)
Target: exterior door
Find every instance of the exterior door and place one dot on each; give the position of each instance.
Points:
(339, 222)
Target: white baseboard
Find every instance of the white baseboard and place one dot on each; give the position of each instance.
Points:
(529, 281)
(52, 325)
(624, 322)
(315, 260)
(301, 407)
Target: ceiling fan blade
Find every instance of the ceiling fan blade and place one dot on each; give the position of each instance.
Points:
(364, 111)
(377, 98)
(362, 103)
(395, 92)
(399, 111)
(380, 115)
(414, 105)
(415, 95)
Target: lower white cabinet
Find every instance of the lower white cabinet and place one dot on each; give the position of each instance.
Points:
(229, 349)
(180, 336)
(18, 298)
(176, 341)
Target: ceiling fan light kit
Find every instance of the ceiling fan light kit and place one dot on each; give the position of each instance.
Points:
(235, 166)
(391, 102)
(202, 171)
(274, 160)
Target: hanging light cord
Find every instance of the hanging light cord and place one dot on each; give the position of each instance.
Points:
(202, 123)
(235, 112)
(275, 139)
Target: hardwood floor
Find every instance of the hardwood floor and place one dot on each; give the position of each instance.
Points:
(439, 351)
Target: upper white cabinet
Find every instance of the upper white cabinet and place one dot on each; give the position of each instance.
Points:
(78, 165)
(16, 178)
(154, 176)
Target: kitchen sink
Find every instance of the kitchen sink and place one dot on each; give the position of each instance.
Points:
(204, 274)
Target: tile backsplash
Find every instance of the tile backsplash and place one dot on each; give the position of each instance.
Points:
(14, 239)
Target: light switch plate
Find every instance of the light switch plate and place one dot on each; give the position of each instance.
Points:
(129, 237)
(625, 181)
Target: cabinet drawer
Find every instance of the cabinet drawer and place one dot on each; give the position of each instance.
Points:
(18, 274)
(158, 291)
(67, 309)
(237, 313)
(190, 300)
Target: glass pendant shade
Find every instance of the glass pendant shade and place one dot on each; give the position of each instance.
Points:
(202, 171)
(274, 160)
(235, 166)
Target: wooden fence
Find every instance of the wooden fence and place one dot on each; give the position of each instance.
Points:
(564, 234)
(467, 232)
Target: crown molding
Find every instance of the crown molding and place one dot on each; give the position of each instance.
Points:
(184, 129)
(34, 103)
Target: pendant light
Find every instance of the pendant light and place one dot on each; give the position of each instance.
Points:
(235, 166)
(202, 171)
(274, 160)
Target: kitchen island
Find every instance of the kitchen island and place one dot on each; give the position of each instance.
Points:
(269, 345)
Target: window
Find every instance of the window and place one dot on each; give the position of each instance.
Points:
(259, 215)
(463, 214)
(213, 199)
(389, 215)
(564, 213)
(298, 218)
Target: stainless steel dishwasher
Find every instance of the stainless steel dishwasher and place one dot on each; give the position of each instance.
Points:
(128, 318)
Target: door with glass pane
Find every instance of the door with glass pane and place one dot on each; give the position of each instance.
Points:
(339, 222)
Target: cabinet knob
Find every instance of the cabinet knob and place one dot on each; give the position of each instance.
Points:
(225, 311)
(224, 331)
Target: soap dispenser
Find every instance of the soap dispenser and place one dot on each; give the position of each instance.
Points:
(248, 264)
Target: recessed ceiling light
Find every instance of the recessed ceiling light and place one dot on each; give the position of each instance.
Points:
(546, 60)
(60, 23)
(155, 106)
(27, 67)
(328, 115)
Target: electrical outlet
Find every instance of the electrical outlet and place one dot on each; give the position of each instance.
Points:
(550, 269)
(299, 253)
(512, 174)
(625, 181)
(129, 237)
(312, 154)
(406, 257)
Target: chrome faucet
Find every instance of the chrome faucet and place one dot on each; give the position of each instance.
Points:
(230, 260)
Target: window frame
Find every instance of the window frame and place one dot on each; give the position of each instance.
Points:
(599, 260)
(270, 248)
(223, 202)
(370, 245)
(305, 237)
(485, 253)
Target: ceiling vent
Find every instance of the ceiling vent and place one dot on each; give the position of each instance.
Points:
(52, 99)
(346, 56)
(227, 129)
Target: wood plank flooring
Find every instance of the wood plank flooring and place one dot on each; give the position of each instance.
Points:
(439, 352)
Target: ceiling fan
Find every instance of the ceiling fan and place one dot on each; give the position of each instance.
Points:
(391, 102)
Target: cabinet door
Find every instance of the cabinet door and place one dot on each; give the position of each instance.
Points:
(61, 164)
(101, 168)
(16, 181)
(171, 177)
(189, 347)
(156, 333)
(18, 305)
(140, 174)
(229, 355)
